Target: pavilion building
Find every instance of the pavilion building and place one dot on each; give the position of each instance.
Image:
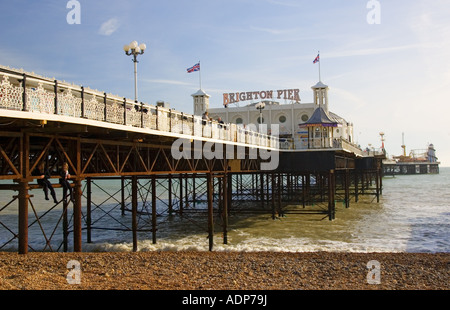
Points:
(302, 126)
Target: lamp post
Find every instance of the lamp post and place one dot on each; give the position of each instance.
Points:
(382, 140)
(260, 106)
(133, 49)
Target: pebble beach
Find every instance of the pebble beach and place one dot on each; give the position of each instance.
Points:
(165, 270)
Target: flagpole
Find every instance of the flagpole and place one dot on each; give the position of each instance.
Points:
(200, 74)
(320, 78)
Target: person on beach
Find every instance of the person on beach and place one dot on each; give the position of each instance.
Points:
(64, 181)
(43, 180)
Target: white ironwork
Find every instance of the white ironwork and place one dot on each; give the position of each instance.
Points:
(10, 96)
(68, 104)
(40, 100)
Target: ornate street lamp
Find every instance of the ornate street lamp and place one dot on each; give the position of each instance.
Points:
(260, 106)
(134, 50)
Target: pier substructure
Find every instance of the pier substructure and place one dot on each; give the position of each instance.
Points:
(142, 186)
(138, 165)
(320, 179)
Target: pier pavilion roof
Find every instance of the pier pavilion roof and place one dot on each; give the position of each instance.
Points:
(320, 118)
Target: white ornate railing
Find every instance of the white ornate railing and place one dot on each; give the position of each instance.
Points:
(321, 144)
(10, 96)
(31, 93)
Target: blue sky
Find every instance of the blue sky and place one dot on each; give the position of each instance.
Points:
(392, 77)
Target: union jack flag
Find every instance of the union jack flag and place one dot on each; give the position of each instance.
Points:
(316, 60)
(196, 67)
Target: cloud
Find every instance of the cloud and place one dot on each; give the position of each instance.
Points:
(284, 3)
(170, 82)
(268, 30)
(372, 51)
(109, 27)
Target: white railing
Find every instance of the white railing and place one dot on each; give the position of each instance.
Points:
(29, 93)
(320, 144)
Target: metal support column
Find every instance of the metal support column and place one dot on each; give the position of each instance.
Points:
(89, 209)
(154, 209)
(272, 177)
(23, 217)
(181, 194)
(225, 207)
(65, 224)
(331, 193)
(377, 184)
(122, 195)
(23, 194)
(169, 189)
(134, 202)
(347, 188)
(77, 216)
(210, 192)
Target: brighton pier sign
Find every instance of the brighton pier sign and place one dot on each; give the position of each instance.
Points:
(288, 94)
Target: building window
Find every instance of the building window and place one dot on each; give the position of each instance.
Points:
(282, 119)
(305, 117)
(317, 135)
(239, 121)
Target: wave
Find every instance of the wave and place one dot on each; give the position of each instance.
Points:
(199, 243)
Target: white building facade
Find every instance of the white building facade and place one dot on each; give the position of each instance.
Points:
(291, 118)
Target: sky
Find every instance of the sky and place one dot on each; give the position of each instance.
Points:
(388, 70)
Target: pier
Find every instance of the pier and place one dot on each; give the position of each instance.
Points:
(106, 138)
(410, 168)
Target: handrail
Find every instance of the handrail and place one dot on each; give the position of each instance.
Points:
(31, 93)
(321, 144)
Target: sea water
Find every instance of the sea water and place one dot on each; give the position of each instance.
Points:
(413, 215)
